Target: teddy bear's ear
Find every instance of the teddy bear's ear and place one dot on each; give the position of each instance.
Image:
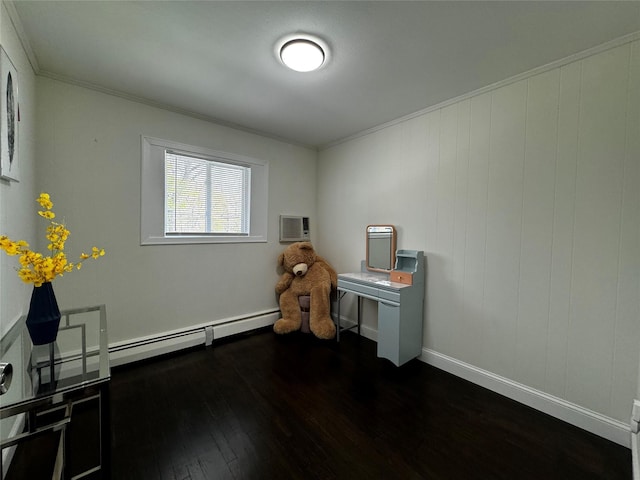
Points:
(281, 259)
(306, 246)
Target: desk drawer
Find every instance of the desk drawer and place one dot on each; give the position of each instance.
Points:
(393, 296)
(401, 277)
(357, 288)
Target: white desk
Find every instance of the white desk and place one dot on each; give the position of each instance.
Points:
(400, 308)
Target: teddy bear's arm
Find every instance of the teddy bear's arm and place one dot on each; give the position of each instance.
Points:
(284, 282)
(332, 273)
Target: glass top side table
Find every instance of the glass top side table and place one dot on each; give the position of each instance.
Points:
(37, 380)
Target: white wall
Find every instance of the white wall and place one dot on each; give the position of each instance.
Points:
(17, 214)
(525, 200)
(89, 161)
(17, 200)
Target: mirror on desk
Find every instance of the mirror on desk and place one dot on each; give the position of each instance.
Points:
(381, 248)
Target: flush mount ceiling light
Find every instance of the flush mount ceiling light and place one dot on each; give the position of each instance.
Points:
(303, 53)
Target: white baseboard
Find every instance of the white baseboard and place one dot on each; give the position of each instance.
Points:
(365, 331)
(368, 332)
(121, 353)
(581, 417)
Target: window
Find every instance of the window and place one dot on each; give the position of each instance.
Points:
(204, 196)
(196, 195)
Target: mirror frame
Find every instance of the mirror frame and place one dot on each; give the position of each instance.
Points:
(392, 253)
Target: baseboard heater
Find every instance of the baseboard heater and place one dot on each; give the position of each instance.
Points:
(121, 353)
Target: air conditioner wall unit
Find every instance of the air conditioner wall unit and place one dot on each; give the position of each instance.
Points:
(294, 229)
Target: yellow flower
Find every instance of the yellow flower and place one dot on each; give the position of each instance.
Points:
(36, 268)
(12, 248)
(47, 214)
(45, 201)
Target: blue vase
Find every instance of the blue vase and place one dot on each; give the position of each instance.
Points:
(43, 318)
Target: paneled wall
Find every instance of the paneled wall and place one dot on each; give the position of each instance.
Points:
(526, 201)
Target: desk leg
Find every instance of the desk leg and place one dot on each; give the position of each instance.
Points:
(338, 319)
(359, 313)
(339, 328)
(105, 432)
(52, 365)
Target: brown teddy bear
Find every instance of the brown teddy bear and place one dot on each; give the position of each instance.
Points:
(305, 273)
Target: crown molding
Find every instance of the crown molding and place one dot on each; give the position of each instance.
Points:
(632, 37)
(22, 35)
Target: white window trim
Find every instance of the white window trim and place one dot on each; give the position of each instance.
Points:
(152, 194)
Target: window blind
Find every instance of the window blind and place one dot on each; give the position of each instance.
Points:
(205, 196)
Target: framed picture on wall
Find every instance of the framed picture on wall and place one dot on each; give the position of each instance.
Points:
(9, 119)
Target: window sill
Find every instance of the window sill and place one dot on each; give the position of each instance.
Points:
(194, 240)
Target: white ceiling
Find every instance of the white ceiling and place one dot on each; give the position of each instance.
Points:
(216, 59)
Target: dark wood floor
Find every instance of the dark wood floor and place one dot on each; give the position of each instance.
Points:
(269, 407)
